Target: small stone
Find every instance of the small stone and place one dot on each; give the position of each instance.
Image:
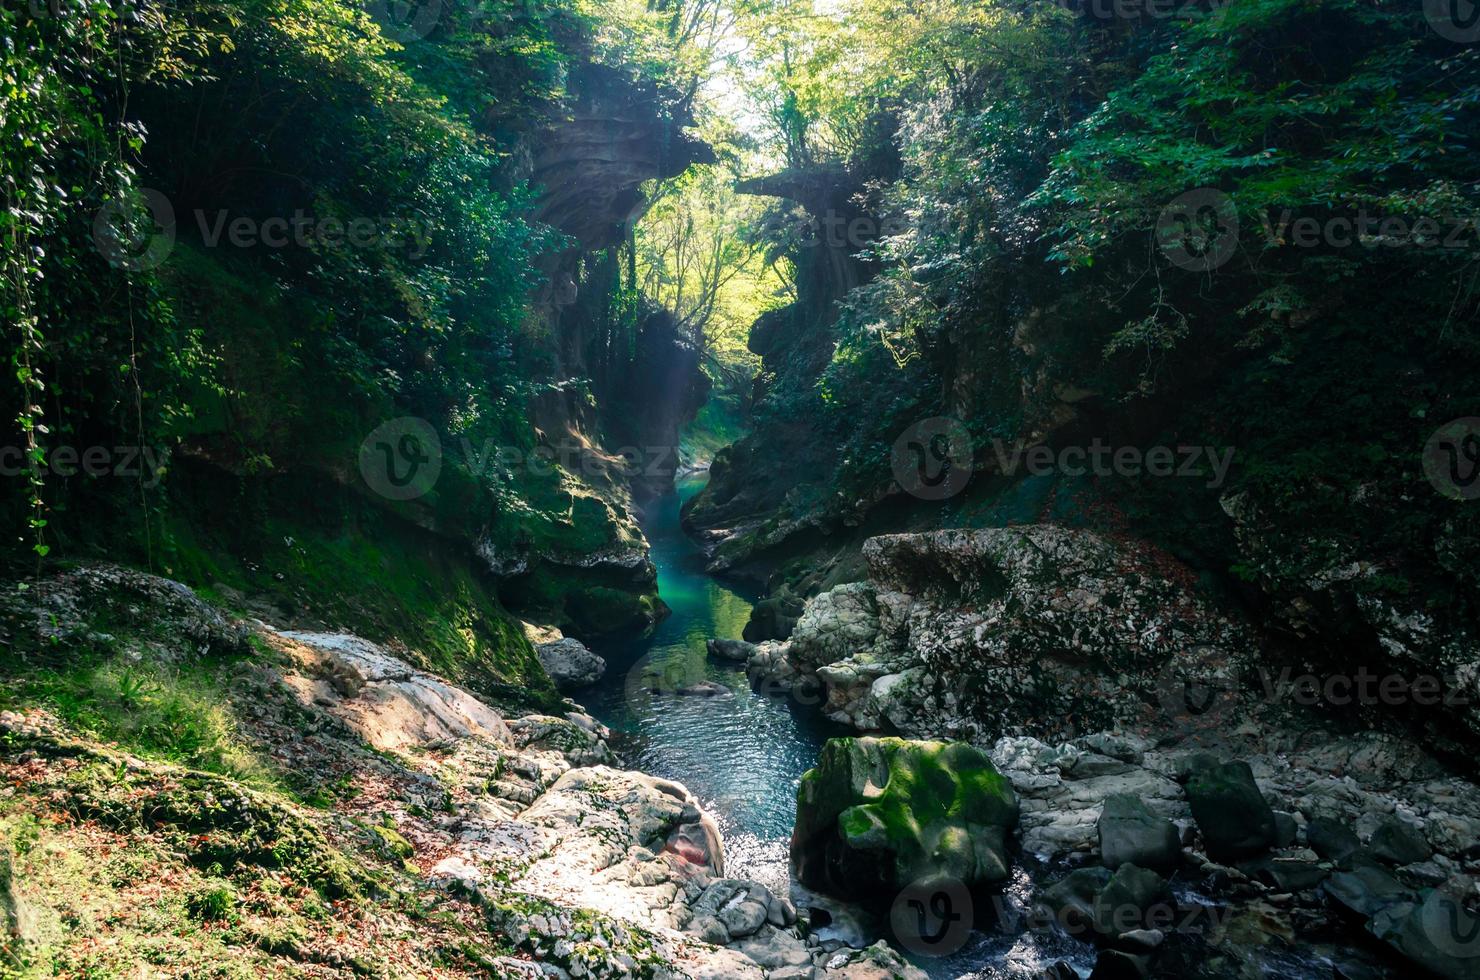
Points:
(1286, 829)
(570, 663)
(1333, 841)
(1399, 842)
(1141, 940)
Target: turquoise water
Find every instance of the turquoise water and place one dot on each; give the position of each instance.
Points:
(741, 753)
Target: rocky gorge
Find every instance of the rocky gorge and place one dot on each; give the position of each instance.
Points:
(1149, 753)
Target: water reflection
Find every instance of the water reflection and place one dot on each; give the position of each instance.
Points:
(740, 752)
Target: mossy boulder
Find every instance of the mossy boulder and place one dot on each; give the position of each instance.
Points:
(1235, 819)
(878, 814)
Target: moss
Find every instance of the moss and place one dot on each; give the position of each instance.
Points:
(587, 603)
(881, 813)
(214, 900)
(215, 821)
(323, 558)
(583, 941)
(175, 713)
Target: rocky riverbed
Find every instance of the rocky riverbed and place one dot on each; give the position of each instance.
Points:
(1135, 724)
(456, 837)
(372, 816)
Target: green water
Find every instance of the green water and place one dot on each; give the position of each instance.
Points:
(741, 754)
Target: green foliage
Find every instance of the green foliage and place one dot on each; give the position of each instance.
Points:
(175, 714)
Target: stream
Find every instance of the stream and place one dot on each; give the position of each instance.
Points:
(743, 754)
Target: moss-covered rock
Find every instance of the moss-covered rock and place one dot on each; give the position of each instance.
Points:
(880, 813)
(1235, 820)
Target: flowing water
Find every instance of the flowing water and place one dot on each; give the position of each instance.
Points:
(742, 753)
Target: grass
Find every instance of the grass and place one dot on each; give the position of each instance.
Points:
(168, 713)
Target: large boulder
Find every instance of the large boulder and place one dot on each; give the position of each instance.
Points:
(570, 664)
(878, 814)
(1235, 819)
(1131, 834)
(969, 634)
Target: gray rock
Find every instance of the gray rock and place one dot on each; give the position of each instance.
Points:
(1121, 906)
(1399, 842)
(1287, 874)
(1141, 940)
(1072, 898)
(570, 664)
(737, 651)
(1131, 834)
(1336, 842)
(1286, 829)
(1233, 816)
(705, 689)
(1438, 934)
(1366, 890)
(1122, 747)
